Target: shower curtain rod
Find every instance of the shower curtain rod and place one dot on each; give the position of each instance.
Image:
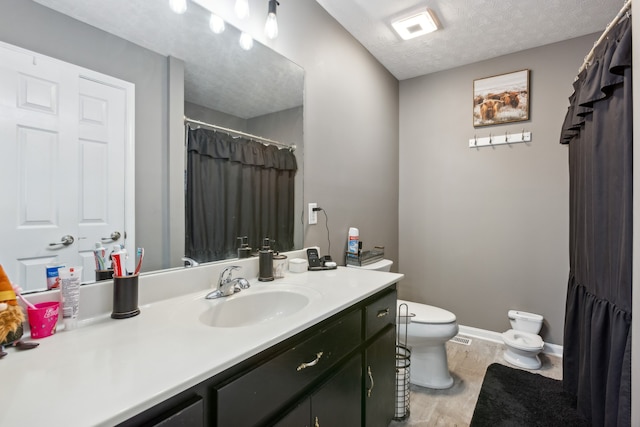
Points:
(589, 57)
(237, 132)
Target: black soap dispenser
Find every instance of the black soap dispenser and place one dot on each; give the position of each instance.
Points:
(265, 256)
(244, 251)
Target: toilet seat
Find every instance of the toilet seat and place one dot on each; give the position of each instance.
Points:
(524, 341)
(427, 314)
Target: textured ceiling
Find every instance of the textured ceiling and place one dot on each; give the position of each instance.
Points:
(472, 30)
(218, 74)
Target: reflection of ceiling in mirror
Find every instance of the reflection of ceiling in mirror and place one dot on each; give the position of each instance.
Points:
(215, 66)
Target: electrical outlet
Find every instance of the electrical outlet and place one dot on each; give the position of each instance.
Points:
(313, 215)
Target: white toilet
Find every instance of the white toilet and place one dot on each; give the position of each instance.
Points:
(522, 341)
(427, 332)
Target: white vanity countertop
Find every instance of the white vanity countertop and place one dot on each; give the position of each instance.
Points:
(106, 372)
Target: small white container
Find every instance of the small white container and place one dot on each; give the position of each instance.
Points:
(279, 266)
(297, 265)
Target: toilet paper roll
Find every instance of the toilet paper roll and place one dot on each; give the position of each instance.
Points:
(402, 392)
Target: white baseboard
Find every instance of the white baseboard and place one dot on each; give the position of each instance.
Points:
(483, 334)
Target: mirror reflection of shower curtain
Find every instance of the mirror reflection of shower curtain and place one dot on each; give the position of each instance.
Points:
(597, 333)
(236, 187)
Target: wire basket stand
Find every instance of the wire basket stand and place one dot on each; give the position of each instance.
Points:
(403, 365)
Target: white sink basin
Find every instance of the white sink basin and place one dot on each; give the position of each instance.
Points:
(250, 307)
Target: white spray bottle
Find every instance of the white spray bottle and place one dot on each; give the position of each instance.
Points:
(353, 239)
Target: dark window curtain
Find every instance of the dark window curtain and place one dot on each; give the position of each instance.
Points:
(236, 187)
(597, 333)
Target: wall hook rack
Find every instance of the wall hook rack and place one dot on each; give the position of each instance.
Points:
(507, 138)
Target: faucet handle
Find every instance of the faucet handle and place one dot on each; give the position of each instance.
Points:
(243, 283)
(230, 271)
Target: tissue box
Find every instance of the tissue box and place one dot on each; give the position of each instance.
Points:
(297, 265)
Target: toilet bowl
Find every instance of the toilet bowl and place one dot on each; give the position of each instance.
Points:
(428, 330)
(522, 342)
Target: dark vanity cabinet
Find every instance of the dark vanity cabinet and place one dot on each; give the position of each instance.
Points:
(379, 360)
(336, 402)
(340, 372)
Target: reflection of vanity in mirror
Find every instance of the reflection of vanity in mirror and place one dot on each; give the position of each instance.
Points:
(179, 69)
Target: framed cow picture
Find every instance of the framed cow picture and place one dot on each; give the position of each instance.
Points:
(501, 99)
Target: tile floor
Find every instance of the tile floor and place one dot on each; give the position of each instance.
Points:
(467, 363)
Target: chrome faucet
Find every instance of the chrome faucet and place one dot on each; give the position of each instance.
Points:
(190, 262)
(228, 286)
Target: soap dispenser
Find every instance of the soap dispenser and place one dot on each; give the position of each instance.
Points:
(244, 251)
(265, 257)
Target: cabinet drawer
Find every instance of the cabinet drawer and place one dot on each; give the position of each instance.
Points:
(380, 313)
(259, 394)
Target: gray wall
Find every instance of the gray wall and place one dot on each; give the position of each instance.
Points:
(37, 28)
(485, 230)
(207, 115)
(350, 129)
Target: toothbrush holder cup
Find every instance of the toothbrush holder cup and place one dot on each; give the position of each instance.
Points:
(125, 297)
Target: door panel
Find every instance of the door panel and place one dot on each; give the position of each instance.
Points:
(102, 130)
(380, 378)
(338, 402)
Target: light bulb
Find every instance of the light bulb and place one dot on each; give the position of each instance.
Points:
(242, 8)
(178, 6)
(271, 27)
(216, 23)
(246, 41)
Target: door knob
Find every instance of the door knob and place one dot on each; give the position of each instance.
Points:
(115, 236)
(65, 241)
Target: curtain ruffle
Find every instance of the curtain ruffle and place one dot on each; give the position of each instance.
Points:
(219, 145)
(594, 83)
(597, 338)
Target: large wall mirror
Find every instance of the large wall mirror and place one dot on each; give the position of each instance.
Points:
(179, 68)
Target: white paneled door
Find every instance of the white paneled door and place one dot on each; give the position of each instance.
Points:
(66, 137)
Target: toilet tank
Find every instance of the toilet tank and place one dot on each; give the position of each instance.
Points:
(526, 322)
(382, 265)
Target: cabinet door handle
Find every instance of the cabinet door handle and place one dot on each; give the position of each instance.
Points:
(384, 312)
(314, 362)
(370, 379)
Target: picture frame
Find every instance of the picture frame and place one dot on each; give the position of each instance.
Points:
(501, 99)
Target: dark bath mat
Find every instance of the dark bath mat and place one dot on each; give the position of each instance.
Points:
(512, 397)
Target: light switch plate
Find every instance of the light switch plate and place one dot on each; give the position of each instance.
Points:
(313, 215)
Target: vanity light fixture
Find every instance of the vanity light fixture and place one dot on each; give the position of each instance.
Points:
(216, 24)
(418, 24)
(271, 27)
(246, 41)
(178, 6)
(242, 8)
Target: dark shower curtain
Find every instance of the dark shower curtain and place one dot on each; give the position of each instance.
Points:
(597, 333)
(236, 187)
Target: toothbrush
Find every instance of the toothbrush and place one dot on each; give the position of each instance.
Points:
(17, 290)
(139, 257)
